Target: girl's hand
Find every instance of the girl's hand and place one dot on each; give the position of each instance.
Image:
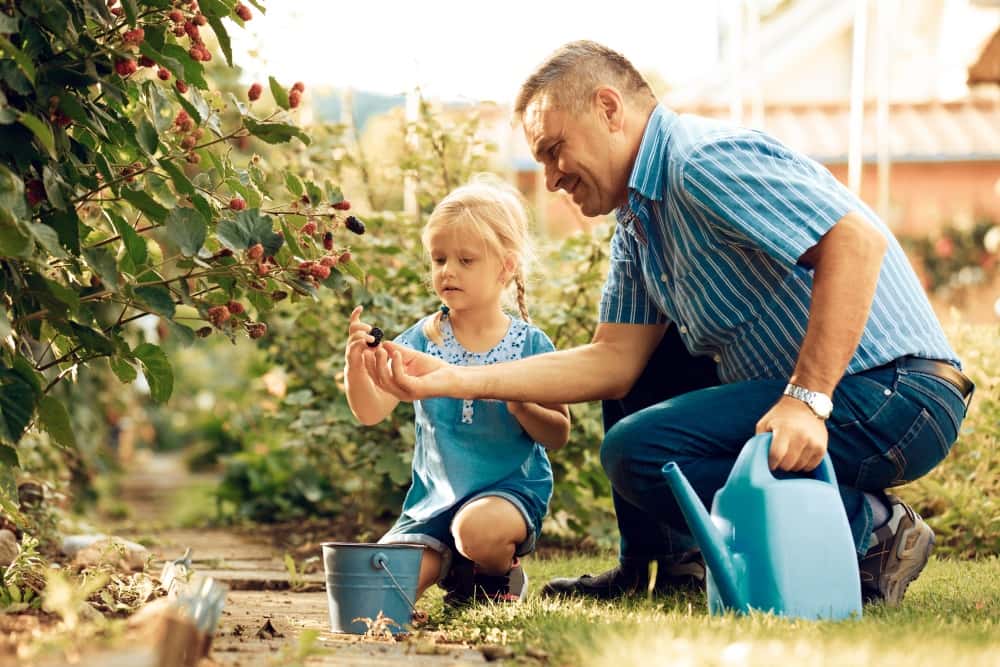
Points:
(358, 338)
(513, 407)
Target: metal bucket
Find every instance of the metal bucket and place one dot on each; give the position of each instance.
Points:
(365, 579)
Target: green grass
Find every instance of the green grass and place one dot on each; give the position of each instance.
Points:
(950, 616)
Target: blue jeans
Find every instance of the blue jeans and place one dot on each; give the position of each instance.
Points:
(889, 426)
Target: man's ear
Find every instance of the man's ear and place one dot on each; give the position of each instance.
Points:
(610, 107)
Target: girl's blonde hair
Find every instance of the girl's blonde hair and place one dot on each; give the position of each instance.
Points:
(496, 212)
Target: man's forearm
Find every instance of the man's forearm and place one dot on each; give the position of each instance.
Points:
(846, 271)
(585, 373)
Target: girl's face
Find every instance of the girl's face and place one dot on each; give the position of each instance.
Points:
(466, 275)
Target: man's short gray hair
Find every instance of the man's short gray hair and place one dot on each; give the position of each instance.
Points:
(570, 75)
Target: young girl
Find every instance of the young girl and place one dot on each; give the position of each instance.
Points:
(481, 477)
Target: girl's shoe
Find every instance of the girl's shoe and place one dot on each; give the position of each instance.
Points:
(465, 584)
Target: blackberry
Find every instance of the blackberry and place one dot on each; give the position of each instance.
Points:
(375, 333)
(354, 225)
(328, 240)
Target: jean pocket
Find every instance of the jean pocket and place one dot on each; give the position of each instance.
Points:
(921, 448)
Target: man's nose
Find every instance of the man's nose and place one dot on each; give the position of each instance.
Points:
(553, 178)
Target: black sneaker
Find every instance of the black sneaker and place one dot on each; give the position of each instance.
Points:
(902, 548)
(685, 572)
(459, 584)
(615, 583)
(510, 587)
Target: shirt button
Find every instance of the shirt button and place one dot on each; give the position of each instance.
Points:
(663, 277)
(683, 329)
(717, 358)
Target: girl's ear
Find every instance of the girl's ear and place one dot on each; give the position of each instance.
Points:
(509, 268)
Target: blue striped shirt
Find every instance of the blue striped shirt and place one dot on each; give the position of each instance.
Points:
(717, 217)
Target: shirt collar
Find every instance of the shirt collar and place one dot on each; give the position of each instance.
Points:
(647, 172)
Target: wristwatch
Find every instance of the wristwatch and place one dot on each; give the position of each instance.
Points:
(819, 403)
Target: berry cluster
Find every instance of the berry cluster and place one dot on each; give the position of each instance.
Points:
(184, 126)
(230, 315)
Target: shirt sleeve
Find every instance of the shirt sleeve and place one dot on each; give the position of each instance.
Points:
(754, 186)
(538, 343)
(624, 299)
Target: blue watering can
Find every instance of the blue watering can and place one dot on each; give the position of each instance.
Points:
(775, 545)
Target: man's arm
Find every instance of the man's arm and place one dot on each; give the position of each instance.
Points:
(607, 367)
(846, 264)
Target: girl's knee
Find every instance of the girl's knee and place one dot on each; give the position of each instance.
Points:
(486, 531)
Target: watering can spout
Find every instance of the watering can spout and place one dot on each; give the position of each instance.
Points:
(717, 554)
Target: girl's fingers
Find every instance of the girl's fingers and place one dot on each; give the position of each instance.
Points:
(356, 313)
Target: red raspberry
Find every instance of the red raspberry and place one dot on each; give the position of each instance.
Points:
(188, 142)
(192, 31)
(243, 11)
(181, 87)
(193, 158)
(125, 67)
(320, 272)
(299, 86)
(294, 99)
(146, 61)
(256, 251)
(117, 11)
(176, 16)
(309, 228)
(344, 258)
(257, 330)
(328, 241)
(343, 205)
(217, 315)
(263, 269)
(328, 260)
(200, 19)
(179, 31)
(235, 307)
(182, 118)
(35, 192)
(237, 204)
(254, 93)
(134, 37)
(197, 133)
(163, 74)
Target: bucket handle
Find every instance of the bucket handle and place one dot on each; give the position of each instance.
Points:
(381, 562)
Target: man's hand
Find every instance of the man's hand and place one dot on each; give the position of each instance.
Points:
(799, 438)
(411, 375)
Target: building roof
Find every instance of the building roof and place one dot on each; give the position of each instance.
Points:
(987, 68)
(967, 130)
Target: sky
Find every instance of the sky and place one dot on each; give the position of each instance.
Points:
(464, 50)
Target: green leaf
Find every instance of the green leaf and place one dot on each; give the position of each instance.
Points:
(213, 15)
(131, 11)
(187, 229)
(149, 140)
(8, 114)
(48, 238)
(123, 369)
(293, 184)
(274, 133)
(146, 204)
(158, 298)
(135, 245)
(184, 334)
(176, 174)
(8, 460)
(66, 295)
(22, 60)
(293, 245)
(333, 193)
(203, 205)
(17, 404)
(156, 367)
(352, 269)
(103, 264)
(315, 194)
(280, 94)
(67, 226)
(12, 194)
(193, 71)
(92, 339)
(54, 186)
(5, 329)
(14, 240)
(54, 419)
(40, 130)
(248, 228)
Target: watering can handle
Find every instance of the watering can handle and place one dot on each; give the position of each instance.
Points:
(760, 448)
(381, 562)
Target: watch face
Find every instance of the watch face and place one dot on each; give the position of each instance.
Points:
(821, 405)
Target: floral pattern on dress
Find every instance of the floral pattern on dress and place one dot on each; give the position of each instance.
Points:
(510, 348)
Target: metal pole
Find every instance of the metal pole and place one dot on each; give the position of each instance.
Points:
(857, 112)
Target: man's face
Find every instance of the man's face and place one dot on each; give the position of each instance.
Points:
(581, 154)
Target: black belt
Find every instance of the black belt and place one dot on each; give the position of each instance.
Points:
(939, 369)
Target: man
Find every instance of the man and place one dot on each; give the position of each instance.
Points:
(760, 261)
